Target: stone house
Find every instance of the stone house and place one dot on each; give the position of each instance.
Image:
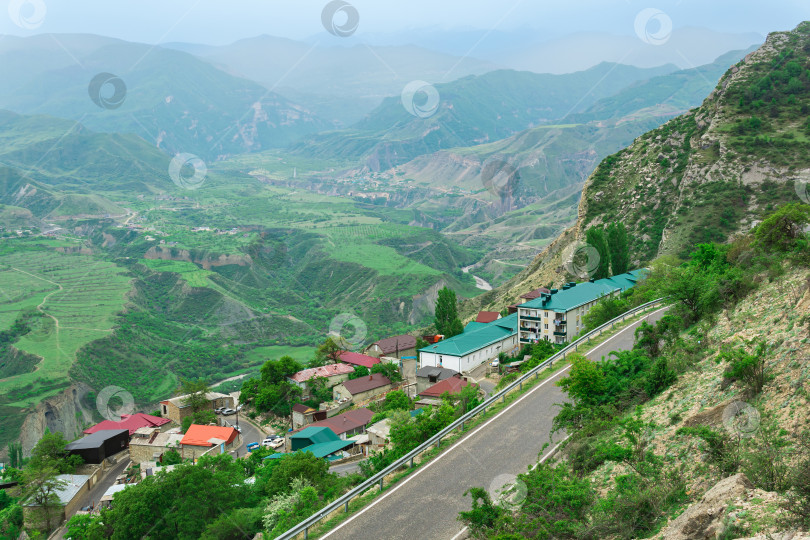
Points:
(176, 410)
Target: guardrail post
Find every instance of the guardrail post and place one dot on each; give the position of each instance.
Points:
(462, 427)
(381, 484)
(411, 463)
(503, 398)
(346, 507)
(520, 386)
(306, 533)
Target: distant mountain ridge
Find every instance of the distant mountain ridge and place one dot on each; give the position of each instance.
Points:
(173, 100)
(340, 84)
(704, 176)
(472, 110)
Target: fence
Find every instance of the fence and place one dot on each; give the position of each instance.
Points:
(436, 440)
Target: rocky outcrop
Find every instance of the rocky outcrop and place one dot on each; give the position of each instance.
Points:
(205, 260)
(704, 519)
(64, 412)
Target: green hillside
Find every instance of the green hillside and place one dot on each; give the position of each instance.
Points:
(665, 95)
(472, 110)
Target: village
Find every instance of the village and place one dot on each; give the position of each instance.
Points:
(346, 428)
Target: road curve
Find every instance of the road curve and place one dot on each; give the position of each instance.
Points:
(425, 505)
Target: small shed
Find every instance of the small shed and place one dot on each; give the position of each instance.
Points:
(98, 446)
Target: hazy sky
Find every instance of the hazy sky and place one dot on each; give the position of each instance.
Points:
(222, 21)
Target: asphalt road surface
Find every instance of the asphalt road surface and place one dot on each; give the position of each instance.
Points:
(250, 434)
(425, 505)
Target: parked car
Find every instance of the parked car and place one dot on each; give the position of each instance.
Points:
(269, 439)
(276, 443)
(252, 446)
(228, 411)
(219, 410)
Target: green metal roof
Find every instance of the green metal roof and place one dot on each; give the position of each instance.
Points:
(320, 449)
(472, 325)
(582, 293)
(477, 338)
(316, 435)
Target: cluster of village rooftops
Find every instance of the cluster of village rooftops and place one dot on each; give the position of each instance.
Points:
(341, 428)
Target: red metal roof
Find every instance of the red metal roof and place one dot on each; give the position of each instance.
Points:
(452, 385)
(131, 422)
(346, 421)
(332, 370)
(357, 359)
(487, 316)
(198, 435)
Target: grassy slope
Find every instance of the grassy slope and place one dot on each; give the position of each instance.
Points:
(772, 314)
(79, 293)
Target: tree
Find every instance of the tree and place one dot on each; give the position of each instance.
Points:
(389, 370)
(781, 230)
(619, 248)
(196, 394)
(468, 398)
(447, 322)
(276, 371)
(277, 477)
(327, 353)
(179, 503)
(15, 455)
(359, 372)
(40, 487)
(595, 237)
(586, 382)
(85, 527)
(172, 457)
(484, 516)
(397, 400)
(747, 367)
(50, 452)
(695, 290)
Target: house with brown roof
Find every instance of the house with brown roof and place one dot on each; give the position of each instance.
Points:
(531, 295)
(332, 375)
(363, 388)
(201, 439)
(487, 316)
(303, 415)
(347, 424)
(394, 346)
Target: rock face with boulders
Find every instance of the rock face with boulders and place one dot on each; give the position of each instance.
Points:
(704, 519)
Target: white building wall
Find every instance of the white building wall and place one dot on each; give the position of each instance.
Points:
(470, 361)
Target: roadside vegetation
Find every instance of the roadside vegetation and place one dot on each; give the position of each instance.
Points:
(605, 415)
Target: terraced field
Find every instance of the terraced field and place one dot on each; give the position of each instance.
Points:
(80, 296)
(190, 272)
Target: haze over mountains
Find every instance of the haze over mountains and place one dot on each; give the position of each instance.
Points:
(324, 191)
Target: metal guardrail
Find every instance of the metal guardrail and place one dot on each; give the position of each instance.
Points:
(435, 440)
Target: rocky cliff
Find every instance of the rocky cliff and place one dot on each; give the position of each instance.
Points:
(703, 176)
(66, 412)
